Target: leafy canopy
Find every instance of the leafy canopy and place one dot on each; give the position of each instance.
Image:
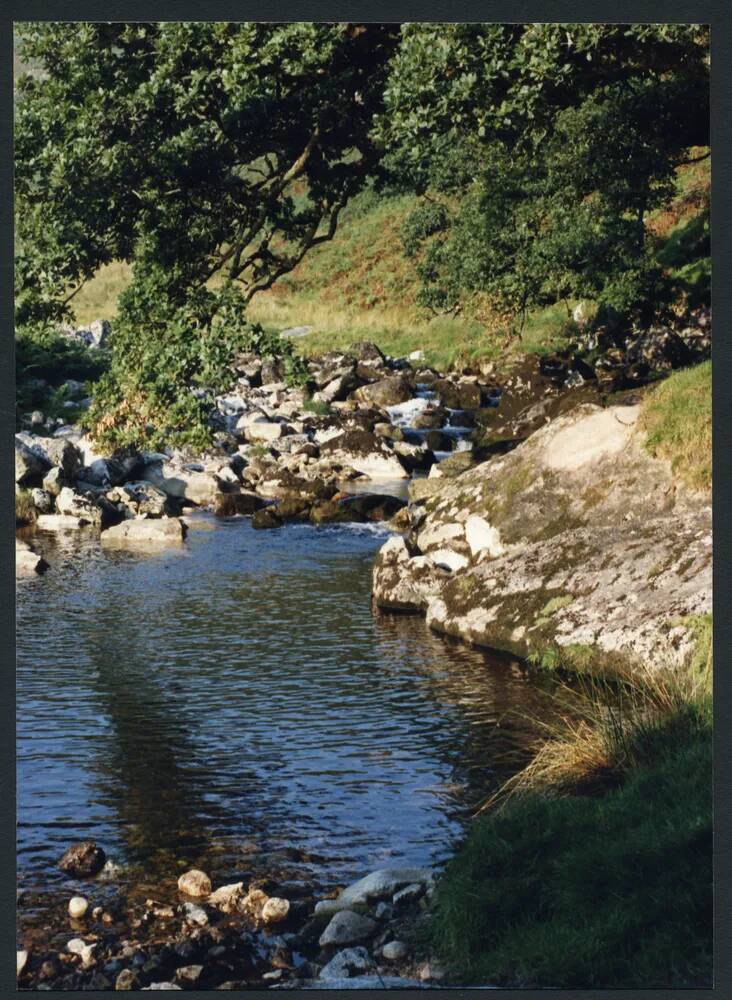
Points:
(198, 151)
(540, 150)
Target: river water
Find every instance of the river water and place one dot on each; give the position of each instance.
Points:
(237, 705)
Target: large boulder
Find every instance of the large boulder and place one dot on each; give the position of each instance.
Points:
(347, 927)
(77, 505)
(56, 451)
(366, 453)
(31, 465)
(577, 540)
(195, 485)
(386, 392)
(146, 531)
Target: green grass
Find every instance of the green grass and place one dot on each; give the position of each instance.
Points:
(677, 420)
(610, 889)
(316, 406)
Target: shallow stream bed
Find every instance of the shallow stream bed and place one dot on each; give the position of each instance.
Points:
(237, 705)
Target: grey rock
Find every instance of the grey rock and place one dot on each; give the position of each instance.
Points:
(383, 883)
(575, 538)
(31, 465)
(347, 963)
(394, 951)
(347, 927)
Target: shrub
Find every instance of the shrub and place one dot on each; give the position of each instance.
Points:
(171, 355)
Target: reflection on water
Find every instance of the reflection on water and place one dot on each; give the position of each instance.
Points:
(240, 698)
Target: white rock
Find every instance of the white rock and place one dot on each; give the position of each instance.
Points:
(20, 961)
(482, 536)
(195, 883)
(60, 522)
(264, 431)
(161, 986)
(275, 910)
(78, 907)
(27, 562)
(451, 560)
(196, 914)
(77, 946)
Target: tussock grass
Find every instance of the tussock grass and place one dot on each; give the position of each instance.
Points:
(593, 866)
(677, 420)
(25, 510)
(607, 728)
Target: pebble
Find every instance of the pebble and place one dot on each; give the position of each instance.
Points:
(195, 883)
(21, 960)
(78, 907)
(275, 910)
(189, 973)
(79, 947)
(160, 986)
(196, 914)
(394, 951)
(127, 980)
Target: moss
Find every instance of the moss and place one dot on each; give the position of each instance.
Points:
(555, 603)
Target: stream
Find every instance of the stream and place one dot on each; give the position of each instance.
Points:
(236, 705)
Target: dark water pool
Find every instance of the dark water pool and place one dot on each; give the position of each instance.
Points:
(238, 701)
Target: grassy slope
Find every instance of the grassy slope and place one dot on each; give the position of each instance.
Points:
(357, 287)
(677, 417)
(360, 286)
(610, 889)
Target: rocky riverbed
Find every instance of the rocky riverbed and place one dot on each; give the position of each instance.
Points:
(261, 935)
(321, 453)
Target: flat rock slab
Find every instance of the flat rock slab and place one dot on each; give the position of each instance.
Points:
(146, 531)
(61, 522)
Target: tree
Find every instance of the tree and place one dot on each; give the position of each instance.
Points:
(545, 147)
(205, 153)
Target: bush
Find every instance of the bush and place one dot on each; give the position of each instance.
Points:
(171, 355)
